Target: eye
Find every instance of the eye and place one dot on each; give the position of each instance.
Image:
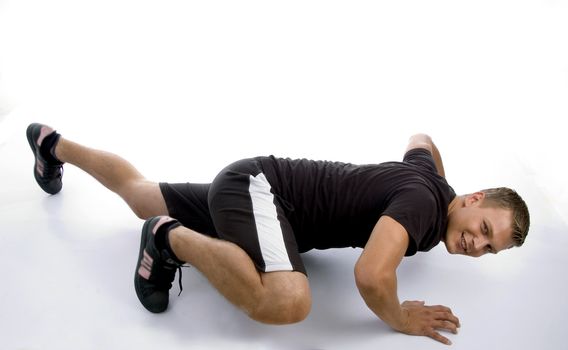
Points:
(485, 229)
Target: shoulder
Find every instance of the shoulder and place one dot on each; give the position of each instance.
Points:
(414, 196)
(421, 157)
(415, 208)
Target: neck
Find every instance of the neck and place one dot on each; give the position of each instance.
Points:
(455, 203)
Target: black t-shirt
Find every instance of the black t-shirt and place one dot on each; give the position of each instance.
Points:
(333, 204)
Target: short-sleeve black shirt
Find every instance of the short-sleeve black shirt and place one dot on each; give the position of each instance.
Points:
(334, 204)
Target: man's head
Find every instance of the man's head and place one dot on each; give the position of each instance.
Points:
(486, 222)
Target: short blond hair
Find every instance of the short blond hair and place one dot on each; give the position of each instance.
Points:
(507, 198)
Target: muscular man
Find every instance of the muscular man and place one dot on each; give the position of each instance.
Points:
(245, 231)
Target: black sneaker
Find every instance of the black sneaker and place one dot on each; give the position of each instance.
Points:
(156, 267)
(48, 171)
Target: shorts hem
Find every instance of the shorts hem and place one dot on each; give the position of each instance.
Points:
(278, 267)
(283, 268)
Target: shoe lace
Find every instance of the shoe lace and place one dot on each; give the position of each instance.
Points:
(179, 279)
(51, 171)
(165, 278)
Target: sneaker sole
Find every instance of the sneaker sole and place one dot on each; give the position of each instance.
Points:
(31, 142)
(29, 134)
(146, 229)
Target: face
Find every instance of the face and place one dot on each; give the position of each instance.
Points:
(475, 230)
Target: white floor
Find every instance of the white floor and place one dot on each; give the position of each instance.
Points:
(183, 89)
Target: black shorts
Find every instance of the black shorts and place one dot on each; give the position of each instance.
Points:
(239, 206)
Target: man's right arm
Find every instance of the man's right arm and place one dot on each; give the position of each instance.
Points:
(375, 274)
(425, 141)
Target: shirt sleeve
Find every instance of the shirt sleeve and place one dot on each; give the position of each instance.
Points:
(422, 158)
(414, 207)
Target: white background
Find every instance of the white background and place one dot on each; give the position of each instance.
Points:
(182, 88)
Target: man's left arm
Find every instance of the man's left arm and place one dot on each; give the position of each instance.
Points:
(375, 274)
(425, 141)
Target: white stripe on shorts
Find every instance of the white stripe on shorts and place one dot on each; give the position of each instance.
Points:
(270, 236)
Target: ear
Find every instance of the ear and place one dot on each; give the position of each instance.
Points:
(474, 199)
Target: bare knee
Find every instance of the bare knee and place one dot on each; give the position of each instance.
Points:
(144, 198)
(285, 302)
(140, 212)
(283, 311)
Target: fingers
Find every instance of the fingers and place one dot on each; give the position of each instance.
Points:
(446, 325)
(446, 321)
(437, 336)
(448, 316)
(441, 308)
(430, 320)
(445, 313)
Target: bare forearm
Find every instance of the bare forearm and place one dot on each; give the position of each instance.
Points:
(383, 301)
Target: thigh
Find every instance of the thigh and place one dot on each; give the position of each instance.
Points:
(245, 211)
(187, 202)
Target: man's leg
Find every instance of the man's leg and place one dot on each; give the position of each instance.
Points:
(256, 264)
(272, 297)
(118, 175)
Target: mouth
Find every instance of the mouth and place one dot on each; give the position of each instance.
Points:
(463, 243)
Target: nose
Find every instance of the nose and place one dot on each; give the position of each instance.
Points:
(479, 243)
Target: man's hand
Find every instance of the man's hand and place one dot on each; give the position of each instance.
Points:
(427, 320)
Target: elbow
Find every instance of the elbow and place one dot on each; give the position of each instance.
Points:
(370, 282)
(422, 137)
(421, 141)
(362, 279)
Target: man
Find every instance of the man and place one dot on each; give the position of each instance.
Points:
(245, 231)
